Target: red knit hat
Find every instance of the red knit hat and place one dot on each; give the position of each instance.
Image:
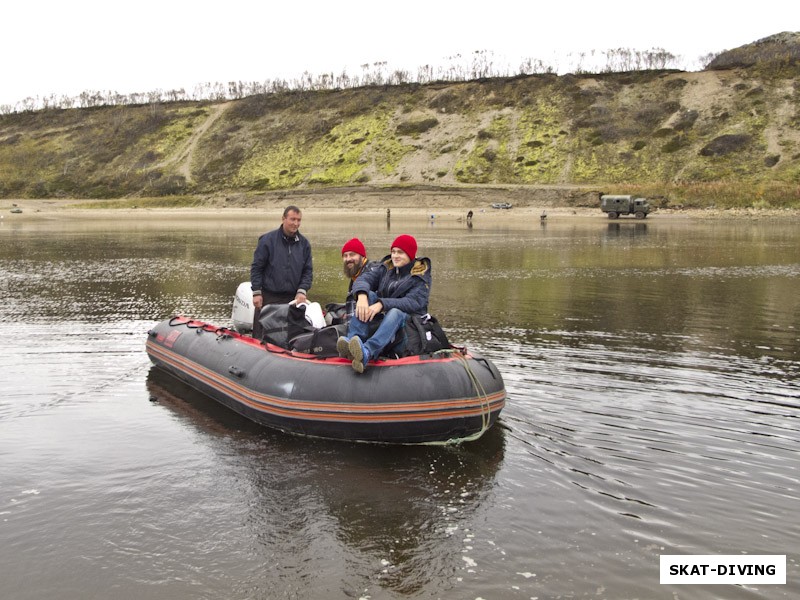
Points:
(407, 244)
(354, 245)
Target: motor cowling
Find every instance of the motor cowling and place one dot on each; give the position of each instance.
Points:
(242, 313)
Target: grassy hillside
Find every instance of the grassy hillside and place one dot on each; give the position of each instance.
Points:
(730, 137)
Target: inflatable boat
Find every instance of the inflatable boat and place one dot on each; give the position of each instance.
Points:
(446, 397)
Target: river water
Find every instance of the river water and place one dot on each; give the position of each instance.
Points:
(652, 373)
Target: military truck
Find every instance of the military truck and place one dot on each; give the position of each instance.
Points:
(616, 205)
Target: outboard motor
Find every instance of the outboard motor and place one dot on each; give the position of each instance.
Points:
(242, 314)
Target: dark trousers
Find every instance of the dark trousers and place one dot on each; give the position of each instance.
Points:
(268, 298)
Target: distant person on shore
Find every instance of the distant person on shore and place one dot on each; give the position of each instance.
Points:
(281, 271)
(399, 286)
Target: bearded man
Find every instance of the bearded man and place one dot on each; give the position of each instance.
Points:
(354, 261)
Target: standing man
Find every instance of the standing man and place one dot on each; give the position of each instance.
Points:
(281, 271)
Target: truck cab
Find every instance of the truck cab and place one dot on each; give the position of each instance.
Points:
(619, 204)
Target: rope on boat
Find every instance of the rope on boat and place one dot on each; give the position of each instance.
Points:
(220, 332)
(486, 409)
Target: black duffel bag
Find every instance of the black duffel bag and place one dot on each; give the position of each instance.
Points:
(319, 342)
(283, 322)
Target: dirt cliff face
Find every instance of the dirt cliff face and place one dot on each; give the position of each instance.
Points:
(541, 130)
(640, 128)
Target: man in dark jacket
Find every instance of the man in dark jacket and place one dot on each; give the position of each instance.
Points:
(354, 261)
(281, 270)
(398, 287)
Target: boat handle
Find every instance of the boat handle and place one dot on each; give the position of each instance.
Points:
(486, 364)
(236, 371)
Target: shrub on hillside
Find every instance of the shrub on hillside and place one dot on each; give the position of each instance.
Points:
(725, 144)
(685, 120)
(654, 114)
(415, 127)
(222, 166)
(676, 143)
(449, 102)
(256, 106)
(676, 84)
(171, 185)
(490, 154)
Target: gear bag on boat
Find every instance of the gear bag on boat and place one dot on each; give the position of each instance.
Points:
(424, 335)
(339, 313)
(320, 342)
(286, 325)
(282, 322)
(289, 327)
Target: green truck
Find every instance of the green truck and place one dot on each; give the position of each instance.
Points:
(616, 205)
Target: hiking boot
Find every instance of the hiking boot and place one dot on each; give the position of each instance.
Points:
(343, 348)
(359, 354)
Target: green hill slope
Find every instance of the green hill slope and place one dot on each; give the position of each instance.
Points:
(735, 130)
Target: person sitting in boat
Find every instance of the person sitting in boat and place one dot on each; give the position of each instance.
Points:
(354, 261)
(398, 287)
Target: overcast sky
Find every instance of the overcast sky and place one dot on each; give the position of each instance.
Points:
(70, 46)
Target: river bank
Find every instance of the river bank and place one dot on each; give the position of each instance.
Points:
(442, 203)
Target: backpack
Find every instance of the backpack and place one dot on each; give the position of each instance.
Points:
(424, 335)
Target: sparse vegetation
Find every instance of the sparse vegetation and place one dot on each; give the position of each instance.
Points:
(725, 144)
(157, 202)
(680, 133)
(418, 126)
(719, 194)
(774, 52)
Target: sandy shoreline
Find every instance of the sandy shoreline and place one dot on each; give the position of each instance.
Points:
(443, 204)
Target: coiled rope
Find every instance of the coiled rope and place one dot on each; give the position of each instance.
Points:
(486, 409)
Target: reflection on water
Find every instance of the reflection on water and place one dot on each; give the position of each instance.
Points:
(392, 508)
(652, 372)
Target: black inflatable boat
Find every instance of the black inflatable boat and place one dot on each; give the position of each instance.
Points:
(447, 397)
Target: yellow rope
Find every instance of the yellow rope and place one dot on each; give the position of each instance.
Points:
(486, 412)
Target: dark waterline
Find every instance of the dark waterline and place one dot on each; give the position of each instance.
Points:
(652, 373)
